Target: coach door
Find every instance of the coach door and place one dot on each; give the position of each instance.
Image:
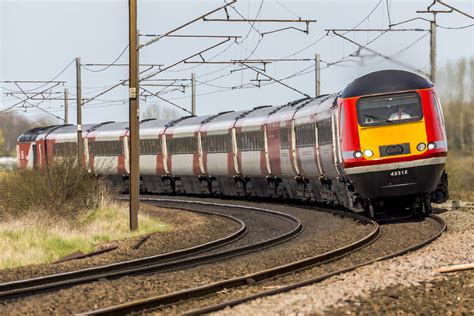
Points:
(325, 141)
(35, 156)
(337, 159)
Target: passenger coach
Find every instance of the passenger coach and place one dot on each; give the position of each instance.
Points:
(378, 145)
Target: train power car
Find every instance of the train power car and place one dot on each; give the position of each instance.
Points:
(377, 145)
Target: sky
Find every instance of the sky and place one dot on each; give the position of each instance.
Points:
(40, 39)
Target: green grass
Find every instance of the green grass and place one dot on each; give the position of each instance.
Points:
(39, 239)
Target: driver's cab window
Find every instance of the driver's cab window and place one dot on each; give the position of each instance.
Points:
(389, 109)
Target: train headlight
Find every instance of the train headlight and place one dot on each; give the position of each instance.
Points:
(368, 153)
(431, 146)
(358, 154)
(421, 146)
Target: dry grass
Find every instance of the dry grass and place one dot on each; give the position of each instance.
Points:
(47, 214)
(460, 170)
(37, 238)
(64, 189)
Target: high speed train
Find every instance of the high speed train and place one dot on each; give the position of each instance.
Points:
(377, 145)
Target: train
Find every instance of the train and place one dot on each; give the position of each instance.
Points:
(377, 146)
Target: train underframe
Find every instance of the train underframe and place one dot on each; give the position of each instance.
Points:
(409, 190)
(370, 193)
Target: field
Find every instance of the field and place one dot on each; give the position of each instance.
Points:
(47, 214)
(38, 239)
(460, 169)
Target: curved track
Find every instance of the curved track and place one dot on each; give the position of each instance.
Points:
(203, 293)
(178, 259)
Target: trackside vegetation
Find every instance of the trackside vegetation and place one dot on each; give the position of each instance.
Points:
(48, 214)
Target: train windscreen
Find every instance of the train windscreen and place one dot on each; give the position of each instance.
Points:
(389, 109)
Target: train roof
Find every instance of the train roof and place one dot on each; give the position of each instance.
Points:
(69, 129)
(110, 126)
(191, 120)
(154, 123)
(31, 134)
(385, 81)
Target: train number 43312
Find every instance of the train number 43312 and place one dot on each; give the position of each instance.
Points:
(398, 173)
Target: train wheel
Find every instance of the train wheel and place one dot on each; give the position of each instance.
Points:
(369, 210)
(426, 205)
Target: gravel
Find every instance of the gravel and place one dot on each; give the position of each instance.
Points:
(453, 294)
(322, 232)
(366, 290)
(412, 231)
(204, 228)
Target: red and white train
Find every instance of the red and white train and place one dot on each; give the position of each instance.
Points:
(378, 144)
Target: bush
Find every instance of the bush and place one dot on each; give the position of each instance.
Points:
(460, 169)
(62, 190)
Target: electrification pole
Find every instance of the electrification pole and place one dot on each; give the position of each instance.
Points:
(193, 97)
(433, 48)
(133, 115)
(317, 73)
(433, 36)
(80, 144)
(66, 107)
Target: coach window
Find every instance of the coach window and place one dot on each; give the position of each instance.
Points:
(250, 141)
(216, 143)
(182, 145)
(64, 149)
(284, 142)
(150, 146)
(106, 148)
(324, 132)
(305, 135)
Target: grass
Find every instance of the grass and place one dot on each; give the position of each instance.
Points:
(35, 239)
(460, 169)
(49, 213)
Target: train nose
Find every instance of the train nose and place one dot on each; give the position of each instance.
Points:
(396, 179)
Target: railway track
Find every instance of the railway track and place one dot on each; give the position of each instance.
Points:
(232, 287)
(205, 253)
(185, 302)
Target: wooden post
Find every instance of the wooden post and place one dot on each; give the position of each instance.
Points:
(80, 143)
(133, 116)
(193, 97)
(317, 73)
(66, 107)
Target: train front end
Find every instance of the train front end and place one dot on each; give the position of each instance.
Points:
(395, 151)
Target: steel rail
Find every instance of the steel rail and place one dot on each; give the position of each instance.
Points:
(197, 292)
(16, 289)
(293, 286)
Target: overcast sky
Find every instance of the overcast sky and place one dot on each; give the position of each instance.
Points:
(40, 38)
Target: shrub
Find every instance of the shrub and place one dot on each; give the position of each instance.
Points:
(62, 190)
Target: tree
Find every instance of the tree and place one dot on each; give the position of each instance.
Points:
(3, 152)
(456, 91)
(159, 112)
(12, 125)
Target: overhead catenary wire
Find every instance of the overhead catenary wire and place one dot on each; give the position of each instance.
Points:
(254, 49)
(367, 17)
(455, 27)
(57, 76)
(109, 65)
(252, 24)
(382, 55)
(287, 9)
(410, 45)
